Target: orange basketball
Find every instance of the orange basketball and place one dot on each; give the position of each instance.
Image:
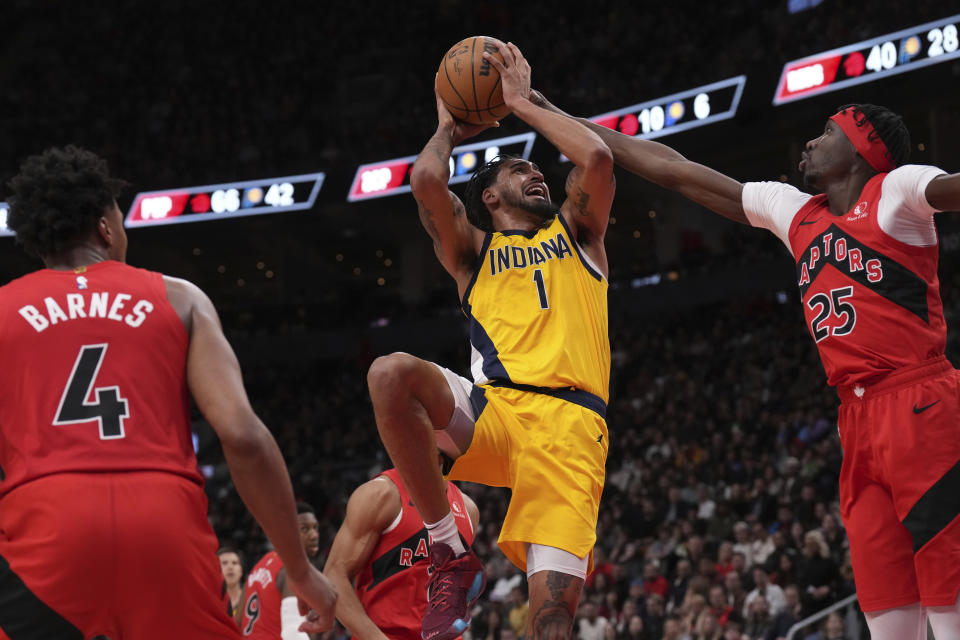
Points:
(469, 85)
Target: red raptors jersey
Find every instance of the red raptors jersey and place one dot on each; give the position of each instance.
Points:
(872, 303)
(261, 611)
(93, 376)
(393, 586)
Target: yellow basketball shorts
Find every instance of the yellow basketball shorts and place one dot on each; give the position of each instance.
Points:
(551, 452)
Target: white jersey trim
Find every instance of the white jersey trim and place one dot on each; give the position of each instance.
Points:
(476, 366)
(772, 206)
(903, 212)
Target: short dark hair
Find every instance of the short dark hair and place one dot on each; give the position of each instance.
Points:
(888, 126)
(58, 197)
(229, 549)
(477, 212)
(303, 507)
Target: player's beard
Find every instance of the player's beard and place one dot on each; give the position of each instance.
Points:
(543, 209)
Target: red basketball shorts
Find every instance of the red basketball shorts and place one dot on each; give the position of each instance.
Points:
(900, 486)
(124, 555)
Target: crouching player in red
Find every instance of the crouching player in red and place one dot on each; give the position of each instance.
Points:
(103, 518)
(379, 560)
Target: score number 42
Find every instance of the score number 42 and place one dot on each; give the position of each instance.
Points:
(228, 200)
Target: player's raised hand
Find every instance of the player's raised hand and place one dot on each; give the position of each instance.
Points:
(459, 129)
(514, 73)
(317, 599)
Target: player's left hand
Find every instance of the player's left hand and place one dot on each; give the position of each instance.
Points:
(316, 599)
(514, 73)
(314, 623)
(459, 130)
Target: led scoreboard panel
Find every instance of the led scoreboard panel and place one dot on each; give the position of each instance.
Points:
(212, 202)
(4, 210)
(676, 112)
(390, 177)
(869, 60)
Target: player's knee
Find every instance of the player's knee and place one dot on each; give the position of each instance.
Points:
(391, 372)
(556, 625)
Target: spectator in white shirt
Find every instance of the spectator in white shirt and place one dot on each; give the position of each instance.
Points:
(773, 594)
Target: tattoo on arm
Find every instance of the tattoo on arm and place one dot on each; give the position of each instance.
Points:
(553, 620)
(581, 202)
(426, 217)
(581, 199)
(440, 148)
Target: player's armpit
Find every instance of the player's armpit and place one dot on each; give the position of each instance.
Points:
(943, 192)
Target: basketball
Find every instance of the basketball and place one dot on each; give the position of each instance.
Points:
(469, 85)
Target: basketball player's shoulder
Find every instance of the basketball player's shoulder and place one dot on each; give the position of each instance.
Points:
(24, 282)
(377, 493)
(185, 295)
(179, 284)
(272, 561)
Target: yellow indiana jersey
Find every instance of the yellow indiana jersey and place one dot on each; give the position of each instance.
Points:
(538, 312)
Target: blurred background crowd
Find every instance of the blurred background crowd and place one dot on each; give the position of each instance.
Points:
(720, 516)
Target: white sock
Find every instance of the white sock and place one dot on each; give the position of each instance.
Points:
(446, 532)
(902, 623)
(945, 621)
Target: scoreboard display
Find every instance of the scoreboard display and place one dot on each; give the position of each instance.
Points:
(229, 200)
(869, 60)
(390, 177)
(4, 211)
(677, 112)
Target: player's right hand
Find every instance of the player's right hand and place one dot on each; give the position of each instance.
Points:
(317, 598)
(459, 130)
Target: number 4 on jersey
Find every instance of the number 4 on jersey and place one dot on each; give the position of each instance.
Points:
(109, 410)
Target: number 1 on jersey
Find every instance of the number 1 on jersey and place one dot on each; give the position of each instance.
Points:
(110, 408)
(541, 289)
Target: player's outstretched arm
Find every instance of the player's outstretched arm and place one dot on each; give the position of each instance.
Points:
(455, 240)
(943, 192)
(256, 465)
(371, 509)
(591, 186)
(661, 165)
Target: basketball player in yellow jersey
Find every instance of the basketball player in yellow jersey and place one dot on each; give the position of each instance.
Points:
(532, 280)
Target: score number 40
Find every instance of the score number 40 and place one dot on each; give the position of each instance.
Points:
(884, 56)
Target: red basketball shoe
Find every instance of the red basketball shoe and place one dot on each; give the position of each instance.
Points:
(455, 585)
